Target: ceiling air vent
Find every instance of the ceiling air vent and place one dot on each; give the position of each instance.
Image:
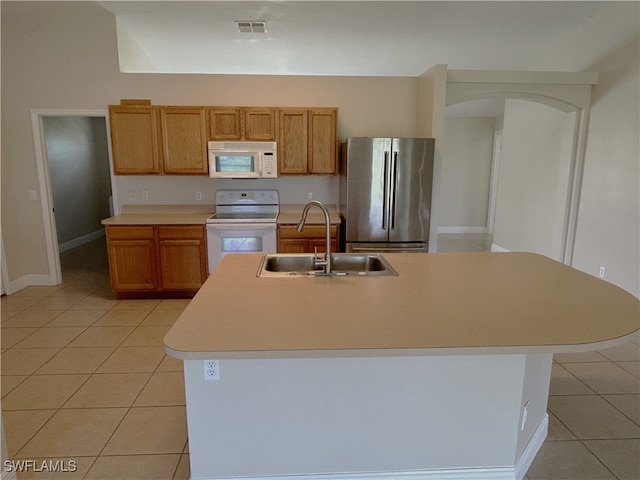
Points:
(251, 26)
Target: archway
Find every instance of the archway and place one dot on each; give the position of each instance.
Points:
(568, 93)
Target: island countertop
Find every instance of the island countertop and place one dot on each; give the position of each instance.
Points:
(439, 304)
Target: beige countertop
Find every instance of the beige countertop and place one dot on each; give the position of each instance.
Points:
(161, 215)
(198, 214)
(290, 214)
(440, 304)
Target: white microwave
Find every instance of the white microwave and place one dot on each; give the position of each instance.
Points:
(243, 159)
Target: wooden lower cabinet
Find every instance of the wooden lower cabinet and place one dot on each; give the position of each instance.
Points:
(292, 241)
(156, 261)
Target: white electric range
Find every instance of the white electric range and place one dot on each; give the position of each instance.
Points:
(244, 222)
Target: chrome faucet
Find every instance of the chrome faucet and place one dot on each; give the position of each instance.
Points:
(326, 263)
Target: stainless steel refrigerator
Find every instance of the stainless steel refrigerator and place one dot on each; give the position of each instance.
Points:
(385, 193)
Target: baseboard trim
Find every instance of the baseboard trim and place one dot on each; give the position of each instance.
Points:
(489, 473)
(531, 450)
(462, 230)
(497, 248)
(14, 286)
(515, 472)
(76, 242)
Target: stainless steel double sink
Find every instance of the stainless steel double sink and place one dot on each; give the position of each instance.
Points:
(342, 264)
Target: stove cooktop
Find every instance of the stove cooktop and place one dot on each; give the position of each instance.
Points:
(256, 217)
(245, 206)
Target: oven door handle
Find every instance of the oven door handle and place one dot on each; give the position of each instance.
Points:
(242, 226)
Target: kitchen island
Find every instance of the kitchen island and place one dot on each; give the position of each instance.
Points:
(441, 372)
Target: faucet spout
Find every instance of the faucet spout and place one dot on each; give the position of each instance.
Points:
(326, 263)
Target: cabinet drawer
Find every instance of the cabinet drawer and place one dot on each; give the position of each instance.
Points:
(181, 231)
(309, 231)
(129, 232)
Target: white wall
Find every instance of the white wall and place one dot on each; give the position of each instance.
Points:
(608, 230)
(466, 172)
(62, 55)
(533, 179)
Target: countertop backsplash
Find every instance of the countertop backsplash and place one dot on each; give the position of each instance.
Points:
(183, 190)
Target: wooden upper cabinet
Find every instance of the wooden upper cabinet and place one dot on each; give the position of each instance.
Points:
(307, 141)
(225, 123)
(260, 124)
(134, 139)
(172, 140)
(184, 140)
(323, 145)
(242, 123)
(292, 141)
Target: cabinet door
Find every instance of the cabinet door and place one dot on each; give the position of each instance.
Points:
(292, 241)
(182, 257)
(184, 140)
(292, 141)
(132, 258)
(225, 123)
(323, 147)
(134, 140)
(260, 124)
(293, 245)
(321, 245)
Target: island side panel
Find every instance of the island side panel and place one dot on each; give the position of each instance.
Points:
(349, 415)
(535, 395)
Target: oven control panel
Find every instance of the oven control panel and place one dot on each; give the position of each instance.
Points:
(247, 197)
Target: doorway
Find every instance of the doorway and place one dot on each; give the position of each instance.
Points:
(72, 152)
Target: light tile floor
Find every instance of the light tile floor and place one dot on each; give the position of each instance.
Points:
(84, 378)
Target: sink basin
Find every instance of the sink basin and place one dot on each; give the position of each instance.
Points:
(295, 265)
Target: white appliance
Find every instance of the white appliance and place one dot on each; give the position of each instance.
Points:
(243, 159)
(244, 222)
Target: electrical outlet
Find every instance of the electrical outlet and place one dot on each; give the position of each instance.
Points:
(309, 195)
(199, 196)
(145, 195)
(33, 195)
(211, 369)
(601, 272)
(132, 196)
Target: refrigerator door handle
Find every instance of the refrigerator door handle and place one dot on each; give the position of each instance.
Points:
(385, 188)
(394, 189)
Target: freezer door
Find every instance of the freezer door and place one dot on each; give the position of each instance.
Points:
(411, 179)
(368, 163)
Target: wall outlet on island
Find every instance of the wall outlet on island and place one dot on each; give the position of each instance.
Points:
(310, 195)
(211, 369)
(199, 196)
(601, 272)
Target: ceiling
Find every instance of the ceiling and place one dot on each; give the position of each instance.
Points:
(361, 38)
